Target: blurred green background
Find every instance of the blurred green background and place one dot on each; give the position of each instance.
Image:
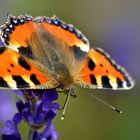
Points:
(113, 25)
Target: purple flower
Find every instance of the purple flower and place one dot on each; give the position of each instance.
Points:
(48, 133)
(37, 114)
(43, 112)
(6, 105)
(124, 44)
(10, 130)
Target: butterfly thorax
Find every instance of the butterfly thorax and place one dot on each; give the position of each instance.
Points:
(63, 76)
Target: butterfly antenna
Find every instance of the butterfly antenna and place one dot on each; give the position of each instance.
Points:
(107, 104)
(65, 106)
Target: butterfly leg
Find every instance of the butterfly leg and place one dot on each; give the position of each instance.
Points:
(66, 102)
(70, 92)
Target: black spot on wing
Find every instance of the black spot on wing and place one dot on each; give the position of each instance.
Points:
(27, 51)
(78, 53)
(34, 79)
(56, 22)
(2, 49)
(3, 83)
(8, 70)
(21, 83)
(93, 79)
(6, 42)
(91, 64)
(119, 83)
(12, 65)
(128, 83)
(6, 36)
(7, 30)
(15, 21)
(11, 27)
(101, 65)
(105, 82)
(23, 63)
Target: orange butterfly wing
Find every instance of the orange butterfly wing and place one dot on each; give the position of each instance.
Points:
(17, 31)
(100, 71)
(17, 72)
(65, 32)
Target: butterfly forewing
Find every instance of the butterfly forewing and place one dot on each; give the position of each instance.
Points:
(17, 33)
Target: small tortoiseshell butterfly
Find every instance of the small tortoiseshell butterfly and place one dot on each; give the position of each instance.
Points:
(46, 53)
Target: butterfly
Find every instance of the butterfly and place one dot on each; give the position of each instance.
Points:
(46, 53)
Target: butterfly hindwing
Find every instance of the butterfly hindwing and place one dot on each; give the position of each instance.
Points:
(100, 71)
(17, 72)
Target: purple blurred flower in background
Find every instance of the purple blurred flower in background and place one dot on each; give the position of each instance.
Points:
(6, 105)
(10, 130)
(37, 114)
(125, 44)
(48, 133)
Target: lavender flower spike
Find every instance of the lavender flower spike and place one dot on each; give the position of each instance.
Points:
(37, 114)
(10, 131)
